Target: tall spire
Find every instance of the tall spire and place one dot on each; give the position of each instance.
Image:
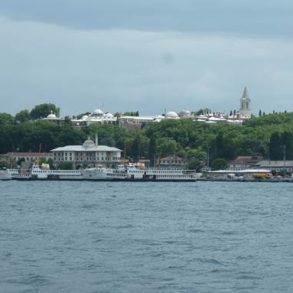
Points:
(245, 105)
(245, 94)
(96, 139)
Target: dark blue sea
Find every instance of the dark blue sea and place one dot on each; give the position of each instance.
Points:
(146, 237)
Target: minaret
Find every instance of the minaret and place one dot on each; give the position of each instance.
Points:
(245, 105)
(96, 139)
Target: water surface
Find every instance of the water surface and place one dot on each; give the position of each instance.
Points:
(146, 237)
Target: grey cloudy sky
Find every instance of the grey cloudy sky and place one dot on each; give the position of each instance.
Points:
(145, 55)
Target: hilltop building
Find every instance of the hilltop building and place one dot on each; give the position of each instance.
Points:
(98, 116)
(136, 121)
(52, 117)
(245, 112)
(126, 121)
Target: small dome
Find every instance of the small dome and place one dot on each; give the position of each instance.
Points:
(88, 143)
(109, 115)
(51, 116)
(98, 112)
(84, 117)
(171, 114)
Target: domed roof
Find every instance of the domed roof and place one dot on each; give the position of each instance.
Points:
(84, 117)
(171, 114)
(98, 112)
(88, 143)
(51, 116)
(109, 115)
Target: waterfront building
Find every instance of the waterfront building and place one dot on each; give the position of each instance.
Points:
(172, 162)
(281, 165)
(24, 158)
(245, 162)
(87, 154)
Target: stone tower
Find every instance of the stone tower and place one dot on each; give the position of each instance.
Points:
(245, 105)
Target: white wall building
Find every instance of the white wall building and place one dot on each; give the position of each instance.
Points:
(98, 116)
(89, 153)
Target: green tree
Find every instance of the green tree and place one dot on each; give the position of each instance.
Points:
(134, 113)
(166, 146)
(139, 147)
(22, 116)
(203, 111)
(43, 110)
(194, 164)
(6, 119)
(287, 143)
(219, 164)
(275, 146)
(153, 150)
(65, 166)
(3, 165)
(79, 116)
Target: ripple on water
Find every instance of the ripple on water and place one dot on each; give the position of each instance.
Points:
(33, 280)
(106, 237)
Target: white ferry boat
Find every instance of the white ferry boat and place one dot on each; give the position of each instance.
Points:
(5, 174)
(20, 174)
(39, 172)
(133, 173)
(103, 174)
(153, 174)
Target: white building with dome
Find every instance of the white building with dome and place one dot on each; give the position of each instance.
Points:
(52, 117)
(89, 153)
(97, 116)
(172, 115)
(140, 121)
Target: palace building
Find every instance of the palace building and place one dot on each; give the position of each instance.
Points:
(87, 154)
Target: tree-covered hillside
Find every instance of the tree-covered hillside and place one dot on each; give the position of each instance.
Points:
(268, 136)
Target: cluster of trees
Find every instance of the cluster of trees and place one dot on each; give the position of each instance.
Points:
(270, 136)
(38, 112)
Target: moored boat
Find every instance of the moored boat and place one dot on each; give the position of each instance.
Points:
(5, 174)
(152, 174)
(133, 173)
(103, 174)
(43, 173)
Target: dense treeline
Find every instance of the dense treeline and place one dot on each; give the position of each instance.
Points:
(270, 136)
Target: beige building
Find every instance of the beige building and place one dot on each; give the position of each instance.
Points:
(172, 162)
(87, 154)
(244, 162)
(14, 158)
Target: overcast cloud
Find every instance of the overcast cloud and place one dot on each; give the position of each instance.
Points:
(145, 55)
